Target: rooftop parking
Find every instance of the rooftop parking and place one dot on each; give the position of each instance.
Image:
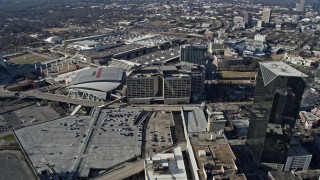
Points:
(83, 143)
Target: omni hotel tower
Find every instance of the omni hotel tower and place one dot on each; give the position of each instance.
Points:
(277, 99)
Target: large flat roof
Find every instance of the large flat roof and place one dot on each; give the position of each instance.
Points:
(195, 119)
(158, 57)
(74, 143)
(174, 162)
(113, 51)
(86, 43)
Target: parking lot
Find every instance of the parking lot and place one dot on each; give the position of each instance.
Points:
(97, 142)
(158, 132)
(24, 114)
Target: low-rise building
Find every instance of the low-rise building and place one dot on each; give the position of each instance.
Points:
(216, 48)
(259, 37)
(85, 45)
(166, 166)
(213, 158)
(216, 122)
(308, 119)
(297, 60)
(223, 62)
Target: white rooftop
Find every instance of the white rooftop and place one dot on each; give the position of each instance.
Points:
(86, 43)
(174, 162)
(272, 69)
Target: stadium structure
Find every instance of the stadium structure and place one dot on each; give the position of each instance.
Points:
(13, 73)
(96, 84)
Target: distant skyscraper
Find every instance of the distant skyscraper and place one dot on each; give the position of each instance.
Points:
(2, 63)
(259, 23)
(266, 15)
(302, 5)
(238, 22)
(297, 6)
(316, 6)
(277, 99)
(193, 53)
(248, 20)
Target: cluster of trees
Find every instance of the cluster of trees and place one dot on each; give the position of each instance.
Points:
(21, 18)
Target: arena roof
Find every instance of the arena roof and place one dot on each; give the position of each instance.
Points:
(94, 83)
(100, 74)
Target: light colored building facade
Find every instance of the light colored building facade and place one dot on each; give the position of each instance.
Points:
(166, 166)
(177, 89)
(266, 15)
(298, 159)
(142, 86)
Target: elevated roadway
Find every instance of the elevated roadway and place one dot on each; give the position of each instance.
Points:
(60, 98)
(124, 171)
(129, 169)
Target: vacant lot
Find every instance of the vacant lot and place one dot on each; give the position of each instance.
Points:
(13, 166)
(8, 138)
(27, 58)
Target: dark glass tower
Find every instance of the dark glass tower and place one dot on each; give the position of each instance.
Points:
(248, 20)
(277, 99)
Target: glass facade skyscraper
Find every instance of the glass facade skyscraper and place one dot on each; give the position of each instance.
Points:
(278, 94)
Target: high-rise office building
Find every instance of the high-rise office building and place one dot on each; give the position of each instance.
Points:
(142, 85)
(248, 20)
(302, 5)
(193, 53)
(266, 14)
(176, 88)
(316, 6)
(277, 99)
(166, 84)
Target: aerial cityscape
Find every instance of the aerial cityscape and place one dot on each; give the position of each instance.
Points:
(160, 89)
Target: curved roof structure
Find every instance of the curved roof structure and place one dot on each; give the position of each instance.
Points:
(95, 83)
(54, 39)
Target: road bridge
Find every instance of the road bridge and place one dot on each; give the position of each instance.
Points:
(60, 98)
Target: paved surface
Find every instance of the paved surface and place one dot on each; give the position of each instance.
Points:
(13, 166)
(24, 114)
(61, 98)
(125, 171)
(130, 169)
(158, 132)
(76, 144)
